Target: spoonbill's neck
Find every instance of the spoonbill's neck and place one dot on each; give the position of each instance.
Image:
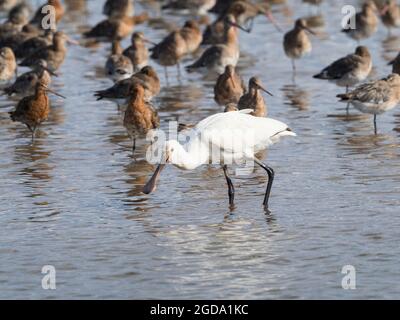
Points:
(194, 155)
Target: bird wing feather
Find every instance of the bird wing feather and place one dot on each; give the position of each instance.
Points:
(232, 130)
(341, 67)
(373, 92)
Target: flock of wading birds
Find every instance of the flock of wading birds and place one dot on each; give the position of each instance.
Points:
(136, 83)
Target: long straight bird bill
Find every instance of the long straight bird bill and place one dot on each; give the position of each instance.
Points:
(271, 18)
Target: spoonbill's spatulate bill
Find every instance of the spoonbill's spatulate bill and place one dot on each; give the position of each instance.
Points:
(237, 135)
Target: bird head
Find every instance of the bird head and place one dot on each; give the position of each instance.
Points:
(362, 51)
(42, 65)
(191, 24)
(255, 83)
(7, 54)
(230, 21)
(170, 155)
(301, 24)
(370, 7)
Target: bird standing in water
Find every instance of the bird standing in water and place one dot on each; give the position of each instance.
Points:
(140, 116)
(33, 110)
(172, 48)
(390, 15)
(237, 135)
(366, 22)
(229, 87)
(8, 65)
(118, 67)
(349, 70)
(217, 57)
(26, 83)
(192, 35)
(254, 99)
(54, 54)
(121, 91)
(296, 42)
(137, 51)
(375, 97)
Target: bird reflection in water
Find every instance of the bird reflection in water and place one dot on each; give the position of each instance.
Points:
(33, 164)
(296, 97)
(182, 97)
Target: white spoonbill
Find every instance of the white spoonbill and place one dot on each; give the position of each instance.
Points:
(237, 136)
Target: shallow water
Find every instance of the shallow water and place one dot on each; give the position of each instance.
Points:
(73, 199)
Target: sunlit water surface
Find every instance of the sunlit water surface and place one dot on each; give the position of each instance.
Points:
(73, 199)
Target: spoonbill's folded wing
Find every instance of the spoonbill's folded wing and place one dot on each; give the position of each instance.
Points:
(237, 132)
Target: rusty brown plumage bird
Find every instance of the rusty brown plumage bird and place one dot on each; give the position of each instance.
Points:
(33, 110)
(254, 99)
(229, 87)
(140, 116)
(41, 13)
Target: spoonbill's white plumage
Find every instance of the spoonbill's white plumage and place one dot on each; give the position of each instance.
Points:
(237, 136)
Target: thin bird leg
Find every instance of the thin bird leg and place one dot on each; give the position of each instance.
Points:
(375, 127)
(33, 131)
(231, 188)
(294, 71)
(178, 66)
(134, 145)
(271, 176)
(166, 75)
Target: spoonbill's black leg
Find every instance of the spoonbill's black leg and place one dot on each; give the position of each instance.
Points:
(231, 188)
(271, 176)
(375, 127)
